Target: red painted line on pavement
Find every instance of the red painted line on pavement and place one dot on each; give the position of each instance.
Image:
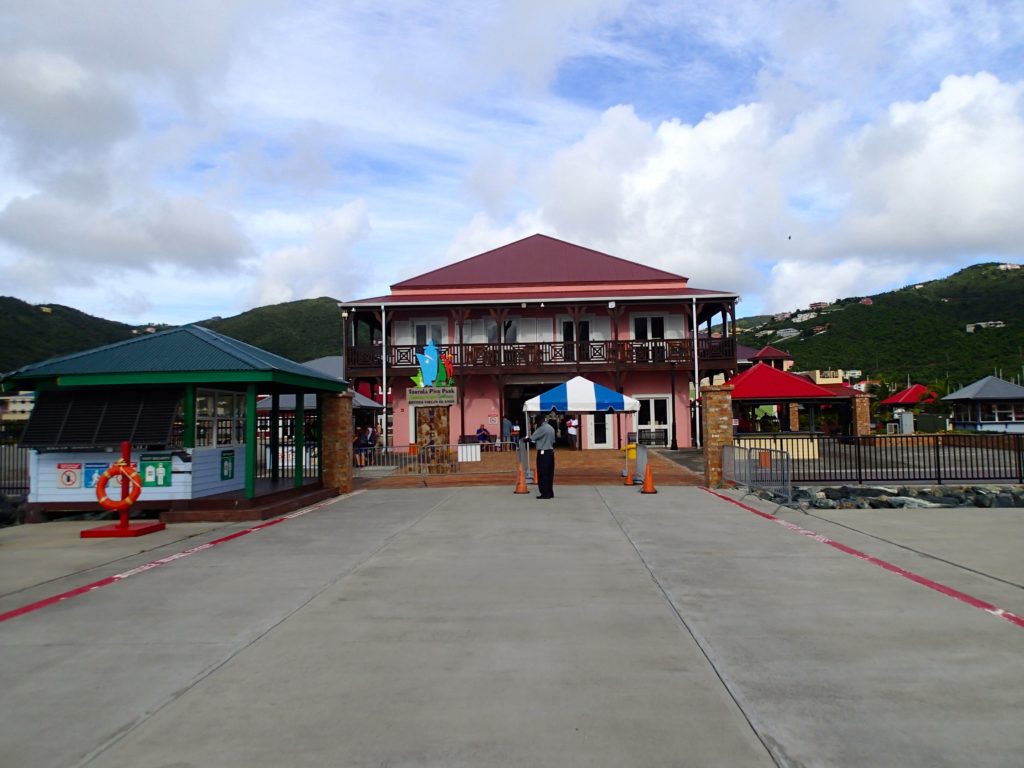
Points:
(106, 582)
(956, 594)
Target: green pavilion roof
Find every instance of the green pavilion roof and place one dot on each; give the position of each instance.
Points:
(189, 355)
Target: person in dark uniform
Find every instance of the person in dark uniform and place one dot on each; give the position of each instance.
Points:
(544, 438)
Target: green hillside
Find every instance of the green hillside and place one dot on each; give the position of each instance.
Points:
(31, 333)
(298, 330)
(918, 331)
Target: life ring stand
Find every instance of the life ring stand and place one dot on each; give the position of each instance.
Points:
(123, 469)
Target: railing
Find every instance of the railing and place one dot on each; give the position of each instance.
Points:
(14, 478)
(759, 468)
(553, 353)
(464, 458)
(285, 448)
(898, 458)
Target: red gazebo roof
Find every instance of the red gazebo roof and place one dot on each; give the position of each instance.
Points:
(768, 384)
(912, 395)
(772, 353)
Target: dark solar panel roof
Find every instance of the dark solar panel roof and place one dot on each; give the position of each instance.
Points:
(101, 419)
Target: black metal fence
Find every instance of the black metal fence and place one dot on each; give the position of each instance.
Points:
(284, 447)
(941, 458)
(13, 464)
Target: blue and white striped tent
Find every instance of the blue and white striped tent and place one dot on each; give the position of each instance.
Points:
(583, 396)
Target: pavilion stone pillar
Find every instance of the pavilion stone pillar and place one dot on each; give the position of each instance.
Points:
(861, 415)
(794, 417)
(716, 410)
(337, 441)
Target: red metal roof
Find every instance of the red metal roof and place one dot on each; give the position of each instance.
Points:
(771, 353)
(841, 390)
(765, 383)
(537, 260)
(912, 395)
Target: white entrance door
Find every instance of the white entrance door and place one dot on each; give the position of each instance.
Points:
(652, 420)
(600, 430)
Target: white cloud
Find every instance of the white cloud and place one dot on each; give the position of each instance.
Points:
(326, 265)
(53, 110)
(942, 176)
(180, 231)
(929, 181)
(795, 284)
(299, 149)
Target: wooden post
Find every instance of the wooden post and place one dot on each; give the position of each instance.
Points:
(250, 441)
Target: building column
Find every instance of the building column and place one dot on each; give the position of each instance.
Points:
(861, 415)
(299, 441)
(716, 415)
(794, 417)
(336, 433)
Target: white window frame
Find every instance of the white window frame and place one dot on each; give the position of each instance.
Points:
(210, 423)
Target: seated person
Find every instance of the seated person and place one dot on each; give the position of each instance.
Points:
(482, 435)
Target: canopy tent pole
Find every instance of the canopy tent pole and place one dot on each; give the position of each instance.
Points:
(384, 374)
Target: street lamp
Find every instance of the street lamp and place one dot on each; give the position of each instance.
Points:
(344, 337)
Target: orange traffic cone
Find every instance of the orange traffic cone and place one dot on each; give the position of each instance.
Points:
(628, 479)
(521, 482)
(648, 481)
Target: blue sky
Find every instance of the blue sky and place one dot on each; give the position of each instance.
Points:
(168, 162)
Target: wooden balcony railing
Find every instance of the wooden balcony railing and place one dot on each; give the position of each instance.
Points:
(548, 354)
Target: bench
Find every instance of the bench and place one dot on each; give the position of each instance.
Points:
(653, 437)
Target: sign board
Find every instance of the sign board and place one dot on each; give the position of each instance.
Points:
(69, 475)
(155, 470)
(92, 474)
(227, 465)
(430, 397)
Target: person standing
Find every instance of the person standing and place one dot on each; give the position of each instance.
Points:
(506, 430)
(543, 438)
(571, 427)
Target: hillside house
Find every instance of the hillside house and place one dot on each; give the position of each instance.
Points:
(520, 319)
(776, 358)
(971, 327)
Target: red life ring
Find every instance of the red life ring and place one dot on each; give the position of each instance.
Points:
(134, 487)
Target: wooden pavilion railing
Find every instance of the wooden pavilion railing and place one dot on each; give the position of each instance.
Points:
(657, 353)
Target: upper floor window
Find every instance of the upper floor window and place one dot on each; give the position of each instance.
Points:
(428, 330)
(647, 328)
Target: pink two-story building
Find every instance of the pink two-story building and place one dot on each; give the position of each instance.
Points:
(527, 316)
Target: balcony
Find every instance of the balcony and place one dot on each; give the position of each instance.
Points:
(553, 355)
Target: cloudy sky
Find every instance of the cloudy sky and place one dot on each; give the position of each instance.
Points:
(172, 161)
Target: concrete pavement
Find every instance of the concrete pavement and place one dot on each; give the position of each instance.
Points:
(473, 627)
